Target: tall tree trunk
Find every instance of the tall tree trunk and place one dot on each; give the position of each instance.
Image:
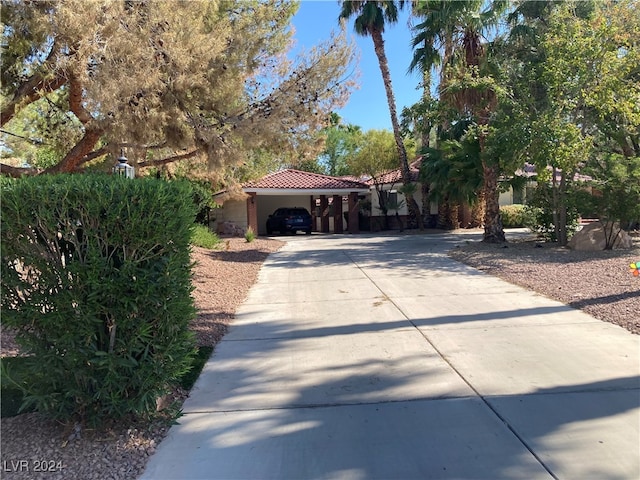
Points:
(79, 153)
(454, 216)
(426, 203)
(443, 213)
(560, 208)
(412, 205)
(493, 230)
(425, 141)
(425, 128)
(477, 211)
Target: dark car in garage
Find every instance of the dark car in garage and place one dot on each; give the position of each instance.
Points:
(285, 220)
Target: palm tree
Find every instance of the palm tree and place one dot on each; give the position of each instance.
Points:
(424, 58)
(454, 171)
(451, 35)
(370, 22)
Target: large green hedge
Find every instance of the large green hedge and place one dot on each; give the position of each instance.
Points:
(96, 280)
(513, 216)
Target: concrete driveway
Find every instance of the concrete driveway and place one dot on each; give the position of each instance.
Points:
(378, 357)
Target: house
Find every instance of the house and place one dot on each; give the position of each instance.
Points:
(525, 189)
(388, 185)
(339, 204)
(333, 202)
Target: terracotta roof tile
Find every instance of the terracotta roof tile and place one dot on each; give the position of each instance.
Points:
(395, 176)
(290, 178)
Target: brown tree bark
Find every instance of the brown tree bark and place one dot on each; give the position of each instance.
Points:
(165, 161)
(378, 45)
(30, 91)
(454, 216)
(443, 213)
(478, 210)
(426, 203)
(81, 152)
(78, 154)
(34, 88)
(560, 207)
(15, 172)
(493, 229)
(425, 128)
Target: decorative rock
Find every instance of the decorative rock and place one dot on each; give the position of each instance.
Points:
(592, 238)
(230, 228)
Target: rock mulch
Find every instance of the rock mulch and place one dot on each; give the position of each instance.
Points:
(600, 282)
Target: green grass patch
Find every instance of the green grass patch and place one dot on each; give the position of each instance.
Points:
(201, 236)
(11, 396)
(250, 235)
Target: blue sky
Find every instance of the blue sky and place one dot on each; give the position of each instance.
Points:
(367, 106)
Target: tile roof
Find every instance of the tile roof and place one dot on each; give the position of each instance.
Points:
(296, 179)
(395, 176)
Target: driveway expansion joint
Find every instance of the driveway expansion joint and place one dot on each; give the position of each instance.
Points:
(336, 405)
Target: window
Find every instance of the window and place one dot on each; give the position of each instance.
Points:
(518, 196)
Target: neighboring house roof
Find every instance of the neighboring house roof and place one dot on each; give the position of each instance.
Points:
(395, 176)
(529, 171)
(290, 180)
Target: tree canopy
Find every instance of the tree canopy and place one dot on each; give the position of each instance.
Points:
(214, 83)
(341, 142)
(571, 70)
(168, 81)
(370, 18)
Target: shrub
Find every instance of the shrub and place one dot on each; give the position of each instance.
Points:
(11, 387)
(513, 216)
(201, 192)
(540, 221)
(12, 394)
(201, 236)
(250, 235)
(96, 280)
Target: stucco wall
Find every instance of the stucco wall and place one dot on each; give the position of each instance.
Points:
(234, 211)
(506, 198)
(375, 203)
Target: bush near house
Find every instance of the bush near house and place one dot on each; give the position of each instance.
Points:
(12, 396)
(513, 216)
(201, 236)
(539, 216)
(96, 280)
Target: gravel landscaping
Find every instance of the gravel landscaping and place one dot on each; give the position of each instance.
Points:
(598, 282)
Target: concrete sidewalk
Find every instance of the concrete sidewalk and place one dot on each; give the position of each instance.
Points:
(378, 357)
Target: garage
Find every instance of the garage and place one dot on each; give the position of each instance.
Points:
(332, 201)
